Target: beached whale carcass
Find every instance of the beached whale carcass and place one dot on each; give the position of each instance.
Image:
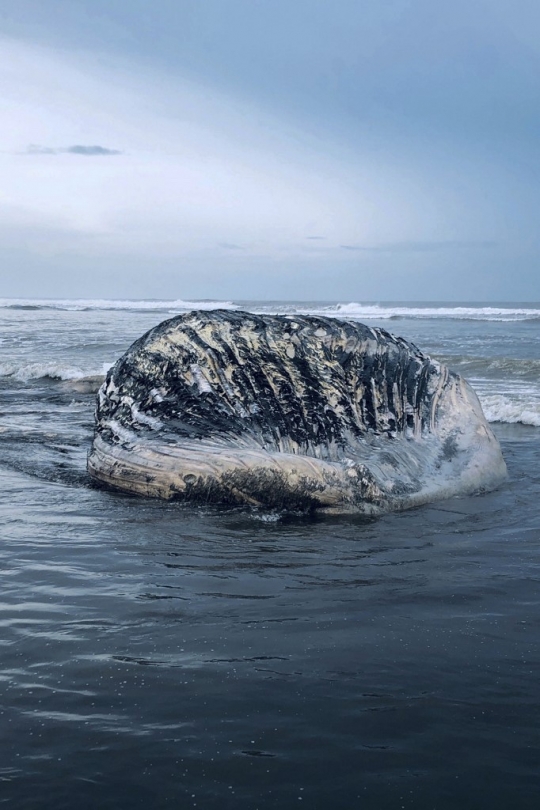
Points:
(288, 412)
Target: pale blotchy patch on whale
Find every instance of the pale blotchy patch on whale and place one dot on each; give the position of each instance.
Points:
(289, 412)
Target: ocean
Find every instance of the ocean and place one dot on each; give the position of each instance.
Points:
(161, 655)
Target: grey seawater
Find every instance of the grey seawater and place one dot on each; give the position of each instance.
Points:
(156, 655)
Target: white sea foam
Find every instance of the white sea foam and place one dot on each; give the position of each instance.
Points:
(351, 310)
(81, 304)
(509, 398)
(267, 517)
(26, 372)
(356, 311)
(501, 408)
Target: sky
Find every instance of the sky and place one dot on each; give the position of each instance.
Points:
(270, 149)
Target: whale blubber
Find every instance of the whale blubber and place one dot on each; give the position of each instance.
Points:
(288, 412)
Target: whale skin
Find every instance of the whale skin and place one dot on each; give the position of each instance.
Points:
(289, 412)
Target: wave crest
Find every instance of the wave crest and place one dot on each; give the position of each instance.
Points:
(52, 371)
(499, 408)
(355, 311)
(472, 365)
(351, 310)
(83, 304)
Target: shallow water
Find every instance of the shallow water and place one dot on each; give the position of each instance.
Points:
(157, 655)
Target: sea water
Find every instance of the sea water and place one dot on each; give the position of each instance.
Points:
(161, 655)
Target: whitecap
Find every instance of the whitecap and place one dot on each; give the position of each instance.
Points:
(503, 408)
(357, 311)
(82, 304)
(25, 372)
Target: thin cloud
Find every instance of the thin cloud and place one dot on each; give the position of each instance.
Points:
(230, 246)
(420, 247)
(34, 149)
(76, 149)
(91, 150)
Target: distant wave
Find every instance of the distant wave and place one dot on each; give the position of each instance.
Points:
(499, 367)
(352, 310)
(85, 304)
(52, 371)
(501, 408)
(381, 312)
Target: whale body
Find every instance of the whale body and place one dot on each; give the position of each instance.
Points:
(289, 412)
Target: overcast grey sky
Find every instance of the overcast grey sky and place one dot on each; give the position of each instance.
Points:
(341, 149)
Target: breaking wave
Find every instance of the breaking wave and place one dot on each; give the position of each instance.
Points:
(501, 408)
(352, 310)
(52, 371)
(82, 304)
(390, 312)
